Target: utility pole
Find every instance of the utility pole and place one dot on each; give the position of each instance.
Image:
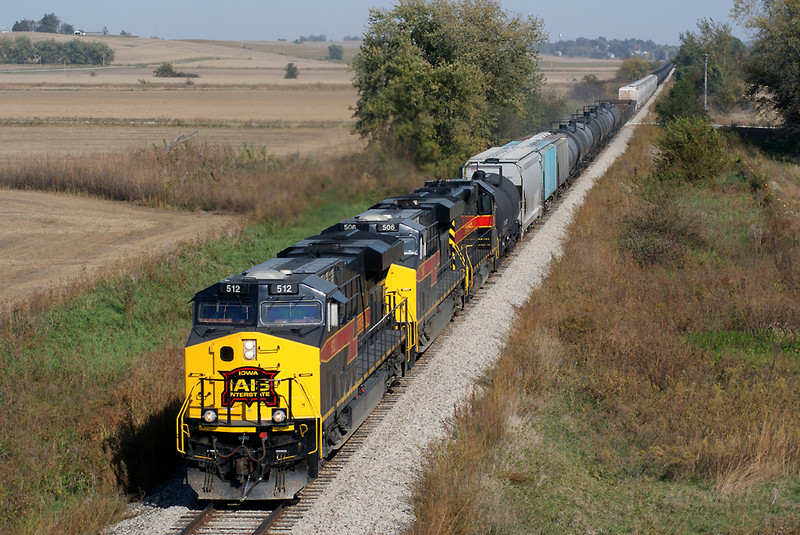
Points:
(705, 83)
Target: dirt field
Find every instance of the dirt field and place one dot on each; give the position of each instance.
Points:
(49, 239)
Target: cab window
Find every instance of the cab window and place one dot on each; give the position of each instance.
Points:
(291, 312)
(485, 204)
(409, 245)
(226, 313)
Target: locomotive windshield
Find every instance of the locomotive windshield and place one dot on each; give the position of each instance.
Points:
(291, 312)
(226, 313)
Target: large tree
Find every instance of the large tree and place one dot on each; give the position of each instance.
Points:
(440, 79)
(773, 71)
(726, 54)
(49, 23)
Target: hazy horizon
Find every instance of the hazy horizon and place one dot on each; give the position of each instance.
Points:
(266, 21)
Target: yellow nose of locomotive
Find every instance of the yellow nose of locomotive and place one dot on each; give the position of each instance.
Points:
(251, 379)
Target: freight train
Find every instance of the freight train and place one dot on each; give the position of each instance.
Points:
(286, 359)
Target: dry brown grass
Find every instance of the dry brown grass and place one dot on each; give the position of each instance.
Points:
(675, 370)
(191, 176)
(456, 494)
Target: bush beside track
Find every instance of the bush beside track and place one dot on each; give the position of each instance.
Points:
(644, 392)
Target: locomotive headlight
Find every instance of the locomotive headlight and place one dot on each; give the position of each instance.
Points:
(210, 416)
(249, 349)
(278, 416)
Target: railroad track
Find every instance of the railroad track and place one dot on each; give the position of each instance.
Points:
(230, 519)
(308, 496)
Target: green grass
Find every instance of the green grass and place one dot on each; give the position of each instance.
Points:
(571, 480)
(757, 348)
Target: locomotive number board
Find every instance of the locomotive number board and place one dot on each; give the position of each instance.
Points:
(233, 288)
(284, 288)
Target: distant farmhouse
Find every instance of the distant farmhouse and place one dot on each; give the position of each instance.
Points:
(81, 32)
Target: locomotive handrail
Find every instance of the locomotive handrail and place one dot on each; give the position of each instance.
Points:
(201, 382)
(388, 317)
(369, 359)
(467, 266)
(182, 428)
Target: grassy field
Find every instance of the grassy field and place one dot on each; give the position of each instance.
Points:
(652, 384)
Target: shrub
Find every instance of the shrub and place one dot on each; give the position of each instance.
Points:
(335, 53)
(588, 89)
(291, 71)
(165, 70)
(633, 68)
(681, 101)
(691, 149)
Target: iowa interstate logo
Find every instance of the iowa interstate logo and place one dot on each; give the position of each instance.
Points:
(249, 384)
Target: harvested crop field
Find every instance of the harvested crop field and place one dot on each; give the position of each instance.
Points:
(50, 239)
(39, 123)
(20, 143)
(320, 107)
(239, 97)
(237, 94)
(559, 69)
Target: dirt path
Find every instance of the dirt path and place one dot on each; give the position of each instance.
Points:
(50, 239)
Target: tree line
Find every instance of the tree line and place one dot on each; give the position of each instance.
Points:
(21, 50)
(604, 48)
(49, 23)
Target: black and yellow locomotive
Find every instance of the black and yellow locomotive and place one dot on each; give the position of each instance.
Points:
(287, 359)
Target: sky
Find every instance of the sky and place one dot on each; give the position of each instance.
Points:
(265, 20)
